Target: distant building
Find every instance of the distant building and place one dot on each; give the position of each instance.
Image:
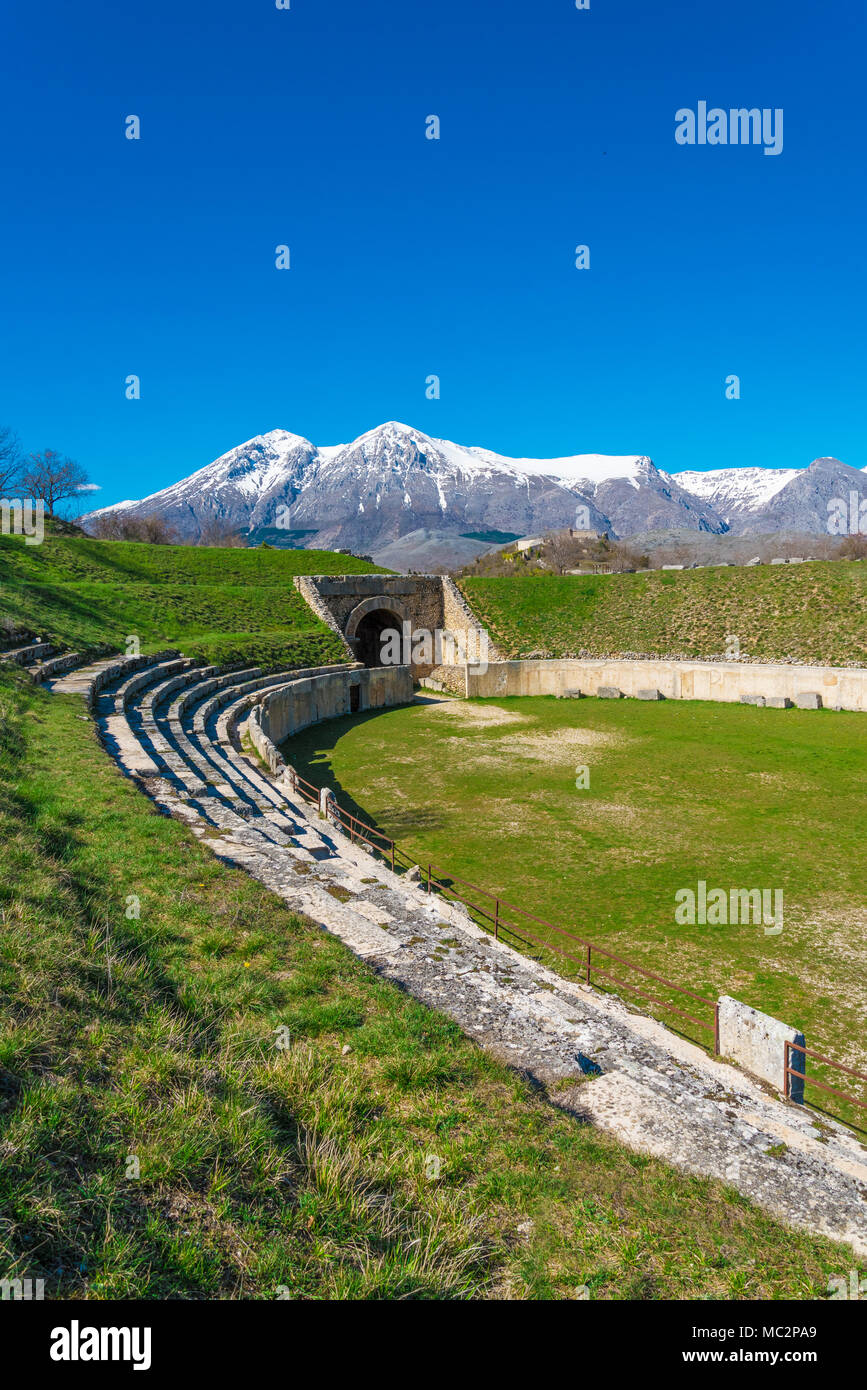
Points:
(529, 543)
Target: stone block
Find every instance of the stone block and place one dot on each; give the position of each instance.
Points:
(778, 702)
(808, 699)
(571, 695)
(757, 1042)
(609, 692)
(648, 694)
(753, 700)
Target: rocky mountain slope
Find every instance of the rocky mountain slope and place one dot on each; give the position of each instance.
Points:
(373, 494)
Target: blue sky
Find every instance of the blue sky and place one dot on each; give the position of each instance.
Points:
(410, 257)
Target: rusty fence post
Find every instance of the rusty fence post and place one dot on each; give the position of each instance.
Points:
(588, 963)
(497, 918)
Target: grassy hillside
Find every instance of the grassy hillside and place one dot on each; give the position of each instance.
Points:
(156, 1141)
(216, 604)
(810, 612)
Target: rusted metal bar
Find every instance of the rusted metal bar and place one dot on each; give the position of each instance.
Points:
(360, 830)
(819, 1057)
(663, 1003)
(822, 1086)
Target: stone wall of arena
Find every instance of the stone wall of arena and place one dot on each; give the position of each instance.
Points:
(839, 687)
(300, 703)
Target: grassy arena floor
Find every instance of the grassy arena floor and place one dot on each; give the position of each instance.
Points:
(679, 791)
(303, 1168)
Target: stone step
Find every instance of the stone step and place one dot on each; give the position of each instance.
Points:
(29, 655)
(89, 680)
(134, 685)
(55, 666)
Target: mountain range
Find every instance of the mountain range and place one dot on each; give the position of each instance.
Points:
(376, 494)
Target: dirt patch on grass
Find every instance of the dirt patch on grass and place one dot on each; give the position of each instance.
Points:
(483, 716)
(566, 741)
(561, 746)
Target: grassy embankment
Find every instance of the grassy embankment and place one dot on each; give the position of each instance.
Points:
(218, 605)
(811, 612)
(152, 1041)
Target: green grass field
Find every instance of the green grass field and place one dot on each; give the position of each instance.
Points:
(737, 796)
(811, 612)
(219, 605)
(156, 1142)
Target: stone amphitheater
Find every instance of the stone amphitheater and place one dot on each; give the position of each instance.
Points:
(204, 743)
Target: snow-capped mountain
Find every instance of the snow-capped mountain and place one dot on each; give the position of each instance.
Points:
(736, 491)
(395, 479)
(763, 500)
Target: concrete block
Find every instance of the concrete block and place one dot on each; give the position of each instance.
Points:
(572, 695)
(753, 700)
(757, 1042)
(648, 694)
(808, 699)
(778, 702)
(609, 692)
(778, 562)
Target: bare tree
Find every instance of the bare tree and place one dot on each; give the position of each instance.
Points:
(10, 460)
(853, 548)
(115, 526)
(52, 478)
(215, 532)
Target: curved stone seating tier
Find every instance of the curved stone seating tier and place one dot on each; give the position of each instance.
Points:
(325, 694)
(147, 720)
(136, 683)
(179, 708)
(227, 696)
(108, 672)
(216, 735)
(90, 675)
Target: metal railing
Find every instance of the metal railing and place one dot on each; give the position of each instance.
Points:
(503, 911)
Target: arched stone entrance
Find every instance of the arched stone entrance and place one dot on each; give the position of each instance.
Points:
(368, 623)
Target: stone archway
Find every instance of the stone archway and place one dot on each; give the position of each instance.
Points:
(369, 621)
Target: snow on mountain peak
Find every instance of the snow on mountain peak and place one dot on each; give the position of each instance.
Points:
(395, 480)
(730, 489)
